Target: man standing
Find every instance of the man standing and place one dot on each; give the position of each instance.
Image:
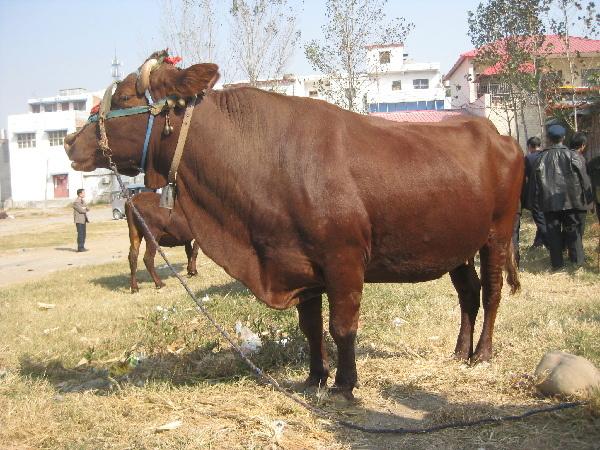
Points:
(534, 146)
(562, 191)
(80, 218)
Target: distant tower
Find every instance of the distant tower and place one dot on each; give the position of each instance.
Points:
(116, 69)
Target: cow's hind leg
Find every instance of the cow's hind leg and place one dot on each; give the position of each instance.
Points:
(493, 258)
(134, 248)
(192, 254)
(467, 285)
(344, 291)
(149, 262)
(311, 323)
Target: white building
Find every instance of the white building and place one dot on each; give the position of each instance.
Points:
(40, 170)
(400, 84)
(393, 83)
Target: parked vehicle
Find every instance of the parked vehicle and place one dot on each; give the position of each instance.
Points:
(117, 200)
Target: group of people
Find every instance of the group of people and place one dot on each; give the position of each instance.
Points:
(558, 192)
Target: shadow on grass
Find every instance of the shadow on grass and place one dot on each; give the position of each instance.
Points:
(233, 287)
(119, 281)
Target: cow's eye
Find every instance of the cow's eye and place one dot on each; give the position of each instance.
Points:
(124, 98)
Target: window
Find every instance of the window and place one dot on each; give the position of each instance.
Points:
(35, 108)
(79, 105)
(384, 57)
(396, 85)
(421, 83)
(590, 77)
(64, 106)
(56, 137)
(50, 107)
(26, 140)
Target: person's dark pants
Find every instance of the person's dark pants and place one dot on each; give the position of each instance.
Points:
(568, 222)
(540, 223)
(80, 236)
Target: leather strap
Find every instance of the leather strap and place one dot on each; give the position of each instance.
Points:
(185, 126)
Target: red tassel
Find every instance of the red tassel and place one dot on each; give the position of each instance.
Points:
(172, 59)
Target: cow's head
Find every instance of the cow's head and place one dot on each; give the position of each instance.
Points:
(126, 134)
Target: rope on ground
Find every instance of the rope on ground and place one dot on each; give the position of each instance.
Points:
(315, 410)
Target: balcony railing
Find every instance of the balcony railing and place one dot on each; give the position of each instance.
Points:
(494, 89)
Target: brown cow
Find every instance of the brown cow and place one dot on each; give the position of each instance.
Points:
(170, 229)
(296, 197)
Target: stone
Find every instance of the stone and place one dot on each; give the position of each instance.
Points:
(563, 374)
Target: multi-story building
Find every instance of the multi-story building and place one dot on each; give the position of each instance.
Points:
(391, 83)
(39, 167)
(478, 90)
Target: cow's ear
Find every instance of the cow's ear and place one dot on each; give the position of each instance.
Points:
(195, 79)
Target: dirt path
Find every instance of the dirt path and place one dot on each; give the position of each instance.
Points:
(26, 264)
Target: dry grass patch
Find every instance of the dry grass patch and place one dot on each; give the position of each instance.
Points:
(59, 233)
(105, 368)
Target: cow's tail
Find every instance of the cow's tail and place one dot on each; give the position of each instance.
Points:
(512, 272)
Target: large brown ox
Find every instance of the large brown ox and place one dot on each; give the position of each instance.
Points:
(170, 229)
(296, 197)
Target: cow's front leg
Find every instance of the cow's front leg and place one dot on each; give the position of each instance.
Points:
(310, 318)
(344, 296)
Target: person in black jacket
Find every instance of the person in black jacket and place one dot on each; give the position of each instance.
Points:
(562, 190)
(534, 146)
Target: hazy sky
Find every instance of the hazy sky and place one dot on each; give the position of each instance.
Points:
(47, 45)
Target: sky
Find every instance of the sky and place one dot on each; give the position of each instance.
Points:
(47, 45)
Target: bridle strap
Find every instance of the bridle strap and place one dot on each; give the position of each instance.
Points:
(185, 126)
(148, 132)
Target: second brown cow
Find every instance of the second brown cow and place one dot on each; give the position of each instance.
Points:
(170, 229)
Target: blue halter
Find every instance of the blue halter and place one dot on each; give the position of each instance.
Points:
(153, 108)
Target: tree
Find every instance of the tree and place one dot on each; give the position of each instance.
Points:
(264, 35)
(510, 38)
(571, 15)
(190, 29)
(341, 54)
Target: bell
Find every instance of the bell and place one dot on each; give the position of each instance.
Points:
(170, 102)
(168, 127)
(181, 102)
(167, 196)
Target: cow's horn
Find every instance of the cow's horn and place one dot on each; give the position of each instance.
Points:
(143, 80)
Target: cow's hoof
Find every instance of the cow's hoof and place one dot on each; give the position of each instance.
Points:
(160, 286)
(135, 289)
(316, 381)
(463, 356)
(481, 356)
(342, 391)
(192, 273)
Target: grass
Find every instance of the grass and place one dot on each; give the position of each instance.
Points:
(104, 368)
(59, 233)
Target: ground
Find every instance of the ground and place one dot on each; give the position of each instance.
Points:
(86, 364)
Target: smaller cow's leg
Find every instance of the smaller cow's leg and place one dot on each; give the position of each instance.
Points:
(493, 257)
(192, 254)
(467, 285)
(310, 319)
(134, 249)
(149, 262)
